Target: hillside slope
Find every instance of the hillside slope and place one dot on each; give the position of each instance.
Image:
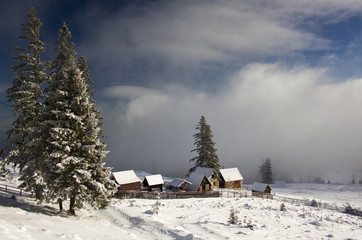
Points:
(176, 219)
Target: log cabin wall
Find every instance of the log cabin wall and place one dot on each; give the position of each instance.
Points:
(136, 186)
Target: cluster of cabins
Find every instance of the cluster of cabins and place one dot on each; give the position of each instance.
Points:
(202, 179)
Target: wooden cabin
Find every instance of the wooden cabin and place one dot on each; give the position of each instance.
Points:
(211, 174)
(126, 180)
(153, 183)
(199, 182)
(179, 185)
(231, 178)
(262, 190)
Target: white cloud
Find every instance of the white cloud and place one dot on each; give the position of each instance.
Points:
(298, 117)
(195, 42)
(143, 101)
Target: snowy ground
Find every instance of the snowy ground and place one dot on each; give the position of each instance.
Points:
(189, 218)
(339, 194)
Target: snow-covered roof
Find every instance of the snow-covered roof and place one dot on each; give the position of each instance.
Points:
(259, 187)
(178, 181)
(231, 174)
(206, 171)
(195, 179)
(124, 177)
(154, 180)
(141, 174)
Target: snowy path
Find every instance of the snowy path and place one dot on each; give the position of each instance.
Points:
(142, 226)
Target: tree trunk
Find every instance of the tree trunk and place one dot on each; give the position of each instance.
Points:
(60, 202)
(39, 194)
(72, 205)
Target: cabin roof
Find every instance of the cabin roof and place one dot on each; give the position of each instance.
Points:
(206, 171)
(259, 187)
(231, 174)
(154, 180)
(195, 179)
(125, 177)
(177, 182)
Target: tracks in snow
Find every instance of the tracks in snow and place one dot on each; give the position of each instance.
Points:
(148, 227)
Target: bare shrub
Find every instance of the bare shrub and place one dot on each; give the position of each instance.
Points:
(233, 218)
(283, 208)
(250, 225)
(314, 203)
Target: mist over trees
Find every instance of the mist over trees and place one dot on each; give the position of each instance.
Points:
(265, 171)
(204, 147)
(56, 137)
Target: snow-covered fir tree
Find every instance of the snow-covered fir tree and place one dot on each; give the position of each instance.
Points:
(72, 133)
(26, 95)
(205, 148)
(82, 64)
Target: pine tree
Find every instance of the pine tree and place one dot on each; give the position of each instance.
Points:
(26, 95)
(82, 64)
(72, 129)
(265, 171)
(205, 149)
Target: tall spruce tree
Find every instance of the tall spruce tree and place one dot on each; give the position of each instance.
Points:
(265, 171)
(26, 95)
(205, 148)
(72, 134)
(82, 64)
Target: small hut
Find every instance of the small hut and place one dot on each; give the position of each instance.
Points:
(179, 185)
(153, 183)
(211, 174)
(199, 182)
(231, 178)
(126, 180)
(262, 190)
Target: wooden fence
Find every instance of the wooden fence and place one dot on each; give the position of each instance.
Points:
(324, 205)
(13, 190)
(262, 195)
(165, 195)
(226, 193)
(234, 193)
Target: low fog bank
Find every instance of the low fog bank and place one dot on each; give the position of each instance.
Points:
(308, 124)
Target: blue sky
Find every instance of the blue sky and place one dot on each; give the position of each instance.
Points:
(278, 79)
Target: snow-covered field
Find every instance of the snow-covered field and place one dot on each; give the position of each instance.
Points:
(339, 194)
(190, 218)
